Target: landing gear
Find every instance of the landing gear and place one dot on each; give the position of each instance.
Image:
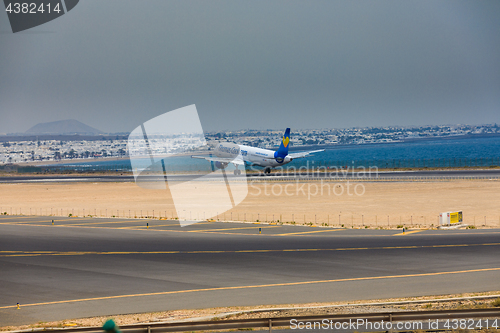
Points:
(267, 171)
(237, 172)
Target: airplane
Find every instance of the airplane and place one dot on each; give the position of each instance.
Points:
(226, 153)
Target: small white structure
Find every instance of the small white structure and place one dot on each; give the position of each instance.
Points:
(450, 218)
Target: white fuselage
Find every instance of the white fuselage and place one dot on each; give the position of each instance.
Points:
(251, 155)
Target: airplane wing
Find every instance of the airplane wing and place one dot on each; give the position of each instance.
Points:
(304, 153)
(236, 160)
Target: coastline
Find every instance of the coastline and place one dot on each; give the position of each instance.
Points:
(68, 161)
(92, 160)
(333, 148)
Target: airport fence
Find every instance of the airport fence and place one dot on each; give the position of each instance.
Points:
(324, 219)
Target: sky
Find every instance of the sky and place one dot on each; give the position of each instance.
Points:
(260, 64)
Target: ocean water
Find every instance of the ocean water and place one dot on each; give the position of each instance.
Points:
(483, 151)
(470, 148)
(431, 153)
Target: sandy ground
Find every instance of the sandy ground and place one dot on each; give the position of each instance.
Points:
(377, 204)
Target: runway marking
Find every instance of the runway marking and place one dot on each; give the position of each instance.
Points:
(24, 222)
(308, 232)
(206, 230)
(76, 219)
(28, 251)
(285, 284)
(176, 223)
(244, 234)
(110, 222)
(81, 223)
(215, 230)
(49, 220)
(13, 222)
(17, 217)
(408, 233)
(123, 228)
(80, 253)
(141, 227)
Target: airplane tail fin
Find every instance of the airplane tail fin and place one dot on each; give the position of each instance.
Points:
(283, 149)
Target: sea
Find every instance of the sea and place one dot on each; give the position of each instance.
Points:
(440, 152)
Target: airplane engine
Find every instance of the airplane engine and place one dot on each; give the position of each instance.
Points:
(280, 160)
(220, 165)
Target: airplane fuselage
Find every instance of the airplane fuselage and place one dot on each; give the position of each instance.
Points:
(226, 153)
(251, 155)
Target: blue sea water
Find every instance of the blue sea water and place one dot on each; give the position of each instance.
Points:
(470, 148)
(481, 151)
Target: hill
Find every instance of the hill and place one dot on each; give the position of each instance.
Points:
(70, 126)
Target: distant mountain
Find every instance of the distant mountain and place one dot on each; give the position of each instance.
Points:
(70, 126)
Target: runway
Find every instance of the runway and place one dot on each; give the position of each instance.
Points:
(82, 267)
(275, 175)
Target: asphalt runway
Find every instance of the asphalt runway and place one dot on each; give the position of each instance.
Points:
(275, 175)
(82, 267)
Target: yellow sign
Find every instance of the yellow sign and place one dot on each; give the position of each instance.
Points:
(456, 217)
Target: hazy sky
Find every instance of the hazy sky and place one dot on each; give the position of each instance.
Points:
(114, 64)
